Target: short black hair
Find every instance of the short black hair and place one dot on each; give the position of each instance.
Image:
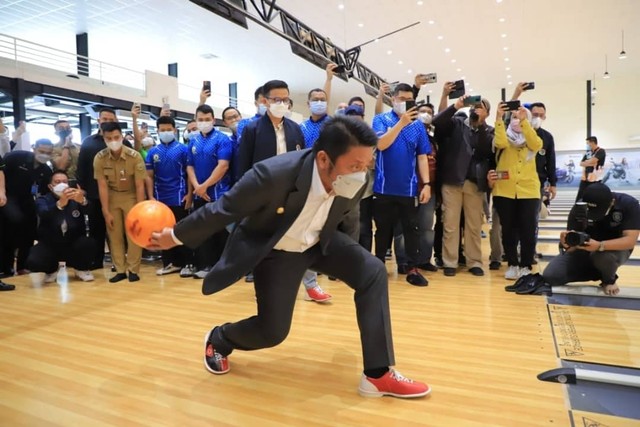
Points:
(402, 87)
(340, 133)
(315, 90)
(354, 99)
(106, 110)
(191, 121)
(273, 84)
(58, 172)
(230, 108)
(110, 127)
(537, 104)
(165, 120)
(592, 139)
(55, 125)
(257, 93)
(205, 109)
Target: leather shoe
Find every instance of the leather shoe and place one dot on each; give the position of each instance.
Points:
(428, 267)
(118, 278)
(476, 271)
(523, 282)
(416, 279)
(6, 287)
(495, 265)
(403, 269)
(133, 277)
(449, 271)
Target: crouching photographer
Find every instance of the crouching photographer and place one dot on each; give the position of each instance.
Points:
(602, 232)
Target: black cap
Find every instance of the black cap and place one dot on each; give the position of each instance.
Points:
(598, 198)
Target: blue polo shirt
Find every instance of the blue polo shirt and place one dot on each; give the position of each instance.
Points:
(242, 123)
(204, 154)
(169, 165)
(311, 130)
(396, 166)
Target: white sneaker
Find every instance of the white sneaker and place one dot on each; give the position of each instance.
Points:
(168, 269)
(524, 271)
(513, 272)
(50, 278)
(85, 276)
(187, 271)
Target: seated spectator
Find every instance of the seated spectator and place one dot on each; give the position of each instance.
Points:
(61, 233)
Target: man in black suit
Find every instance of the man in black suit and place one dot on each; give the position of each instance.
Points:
(288, 210)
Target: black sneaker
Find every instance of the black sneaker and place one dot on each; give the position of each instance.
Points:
(248, 278)
(428, 267)
(133, 277)
(495, 265)
(439, 262)
(538, 287)
(403, 269)
(118, 278)
(476, 271)
(449, 271)
(6, 287)
(416, 279)
(214, 362)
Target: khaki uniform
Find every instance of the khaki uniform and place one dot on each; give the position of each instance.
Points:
(121, 175)
(74, 151)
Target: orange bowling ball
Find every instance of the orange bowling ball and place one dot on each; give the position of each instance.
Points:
(145, 218)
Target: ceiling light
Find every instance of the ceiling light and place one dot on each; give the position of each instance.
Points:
(430, 91)
(420, 2)
(504, 36)
(459, 69)
(505, 48)
(506, 59)
(508, 76)
(466, 83)
(409, 71)
(361, 25)
(340, 6)
(462, 78)
(376, 40)
(606, 74)
(389, 52)
(440, 37)
(431, 22)
(510, 83)
(498, 1)
(470, 90)
(447, 50)
(623, 54)
(507, 68)
(453, 61)
(400, 62)
(501, 19)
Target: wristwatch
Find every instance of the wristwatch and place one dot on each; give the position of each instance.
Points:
(601, 247)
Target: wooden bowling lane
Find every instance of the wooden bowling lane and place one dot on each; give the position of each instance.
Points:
(590, 419)
(597, 335)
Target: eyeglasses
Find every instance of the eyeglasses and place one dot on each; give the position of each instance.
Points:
(278, 100)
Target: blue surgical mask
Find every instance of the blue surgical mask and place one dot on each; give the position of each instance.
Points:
(262, 109)
(166, 137)
(340, 112)
(318, 108)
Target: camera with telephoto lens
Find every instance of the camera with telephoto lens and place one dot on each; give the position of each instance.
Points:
(576, 238)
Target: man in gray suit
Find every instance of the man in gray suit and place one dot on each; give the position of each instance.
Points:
(288, 210)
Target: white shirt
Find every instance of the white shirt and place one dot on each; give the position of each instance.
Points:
(305, 230)
(281, 143)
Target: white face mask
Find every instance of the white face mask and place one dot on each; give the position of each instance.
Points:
(279, 110)
(58, 189)
(205, 127)
(166, 137)
(425, 118)
(347, 186)
(233, 126)
(400, 108)
(42, 158)
(115, 145)
(536, 122)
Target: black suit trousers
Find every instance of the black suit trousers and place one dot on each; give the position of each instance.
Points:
(277, 281)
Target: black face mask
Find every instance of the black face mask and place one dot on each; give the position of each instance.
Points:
(473, 116)
(63, 133)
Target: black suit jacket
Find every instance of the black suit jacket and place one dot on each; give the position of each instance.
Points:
(258, 142)
(264, 204)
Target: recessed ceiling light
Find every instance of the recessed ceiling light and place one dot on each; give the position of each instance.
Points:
(376, 40)
(501, 19)
(498, 1)
(340, 6)
(440, 37)
(447, 50)
(430, 91)
(503, 35)
(506, 59)
(409, 71)
(510, 83)
(453, 61)
(508, 76)
(508, 68)
(466, 83)
(389, 52)
(431, 22)
(462, 78)
(470, 90)
(400, 62)
(459, 69)
(505, 48)
(361, 25)
(420, 2)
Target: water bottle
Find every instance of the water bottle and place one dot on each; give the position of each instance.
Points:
(63, 275)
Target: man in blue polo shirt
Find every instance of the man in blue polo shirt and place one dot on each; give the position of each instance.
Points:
(317, 101)
(261, 110)
(167, 169)
(231, 118)
(403, 143)
(207, 168)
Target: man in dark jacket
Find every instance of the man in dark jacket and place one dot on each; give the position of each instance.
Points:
(467, 154)
(61, 233)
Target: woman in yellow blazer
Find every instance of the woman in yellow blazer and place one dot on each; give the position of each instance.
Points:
(516, 193)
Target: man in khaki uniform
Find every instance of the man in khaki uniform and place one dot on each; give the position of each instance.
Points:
(120, 173)
(65, 152)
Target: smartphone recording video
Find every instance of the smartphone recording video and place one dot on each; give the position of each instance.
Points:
(472, 100)
(512, 105)
(458, 91)
(206, 85)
